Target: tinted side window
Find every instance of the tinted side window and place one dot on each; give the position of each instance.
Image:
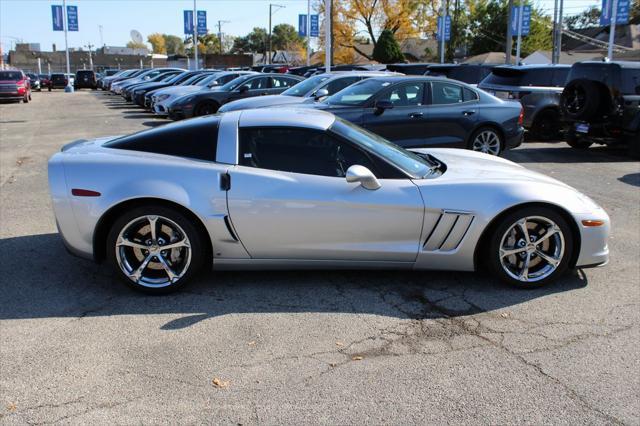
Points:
(411, 94)
(537, 77)
(337, 85)
(196, 139)
(227, 78)
(256, 83)
(279, 82)
(630, 81)
(446, 93)
(295, 150)
(470, 95)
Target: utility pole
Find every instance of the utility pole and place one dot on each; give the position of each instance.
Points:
(509, 34)
(69, 87)
(271, 6)
(327, 35)
(101, 39)
(308, 32)
(89, 46)
(220, 33)
(612, 28)
(558, 34)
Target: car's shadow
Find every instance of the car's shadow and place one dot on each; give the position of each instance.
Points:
(41, 280)
(558, 152)
(631, 179)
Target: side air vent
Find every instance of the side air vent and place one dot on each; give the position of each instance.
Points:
(448, 231)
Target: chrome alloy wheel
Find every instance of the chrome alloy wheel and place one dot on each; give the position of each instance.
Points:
(532, 249)
(487, 141)
(153, 251)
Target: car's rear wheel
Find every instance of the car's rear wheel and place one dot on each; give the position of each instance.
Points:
(546, 126)
(486, 140)
(530, 247)
(207, 108)
(155, 249)
(577, 142)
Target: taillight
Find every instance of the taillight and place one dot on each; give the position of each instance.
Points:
(521, 117)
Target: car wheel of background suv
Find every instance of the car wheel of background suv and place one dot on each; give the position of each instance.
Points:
(206, 108)
(546, 125)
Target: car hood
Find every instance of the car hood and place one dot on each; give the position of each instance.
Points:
(261, 102)
(465, 165)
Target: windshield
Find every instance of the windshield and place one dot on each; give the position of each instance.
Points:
(207, 79)
(307, 85)
(415, 166)
(10, 75)
(194, 79)
(357, 94)
(235, 83)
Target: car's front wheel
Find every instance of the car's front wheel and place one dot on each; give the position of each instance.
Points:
(486, 140)
(206, 108)
(530, 247)
(546, 126)
(155, 249)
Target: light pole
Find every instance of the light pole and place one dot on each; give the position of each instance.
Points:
(89, 46)
(612, 28)
(195, 35)
(69, 87)
(220, 33)
(271, 6)
(327, 35)
(308, 32)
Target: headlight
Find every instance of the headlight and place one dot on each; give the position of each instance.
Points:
(161, 98)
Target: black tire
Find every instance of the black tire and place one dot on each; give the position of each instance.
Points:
(26, 99)
(206, 108)
(577, 142)
(581, 99)
(633, 146)
(546, 126)
(49, 88)
(471, 144)
(493, 258)
(196, 242)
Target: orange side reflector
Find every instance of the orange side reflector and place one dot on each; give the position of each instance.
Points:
(593, 222)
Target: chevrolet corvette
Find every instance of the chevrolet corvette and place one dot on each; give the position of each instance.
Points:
(292, 188)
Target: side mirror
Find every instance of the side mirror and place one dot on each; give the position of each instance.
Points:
(321, 93)
(382, 105)
(243, 89)
(362, 175)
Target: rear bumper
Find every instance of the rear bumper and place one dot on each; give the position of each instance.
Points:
(11, 96)
(514, 140)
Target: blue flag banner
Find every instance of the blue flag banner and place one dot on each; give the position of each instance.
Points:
(302, 25)
(188, 21)
(314, 26)
(56, 16)
(202, 22)
(622, 15)
(447, 28)
(72, 18)
(526, 20)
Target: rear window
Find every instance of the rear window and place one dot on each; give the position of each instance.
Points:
(84, 73)
(516, 77)
(196, 139)
(630, 81)
(10, 75)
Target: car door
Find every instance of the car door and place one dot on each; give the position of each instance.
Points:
(403, 124)
(289, 199)
(451, 114)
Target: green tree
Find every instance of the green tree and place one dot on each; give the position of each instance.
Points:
(255, 41)
(387, 49)
(157, 43)
(174, 45)
(587, 18)
(284, 35)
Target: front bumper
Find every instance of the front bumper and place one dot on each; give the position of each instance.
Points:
(594, 248)
(176, 113)
(11, 96)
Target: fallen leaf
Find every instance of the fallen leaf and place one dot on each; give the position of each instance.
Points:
(357, 358)
(333, 364)
(504, 315)
(219, 383)
(11, 407)
(339, 344)
(251, 343)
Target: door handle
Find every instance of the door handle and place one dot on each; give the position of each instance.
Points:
(467, 113)
(416, 115)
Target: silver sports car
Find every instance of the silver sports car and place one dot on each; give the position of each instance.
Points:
(289, 188)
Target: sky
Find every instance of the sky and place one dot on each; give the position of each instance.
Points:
(29, 21)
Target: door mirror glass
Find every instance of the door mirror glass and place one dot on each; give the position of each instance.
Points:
(382, 105)
(321, 93)
(362, 175)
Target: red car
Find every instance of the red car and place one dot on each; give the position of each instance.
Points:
(15, 86)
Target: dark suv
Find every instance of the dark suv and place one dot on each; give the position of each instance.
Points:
(85, 79)
(601, 104)
(466, 73)
(538, 88)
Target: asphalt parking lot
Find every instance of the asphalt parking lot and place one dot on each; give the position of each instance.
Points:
(76, 346)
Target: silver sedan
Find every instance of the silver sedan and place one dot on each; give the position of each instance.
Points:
(291, 189)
